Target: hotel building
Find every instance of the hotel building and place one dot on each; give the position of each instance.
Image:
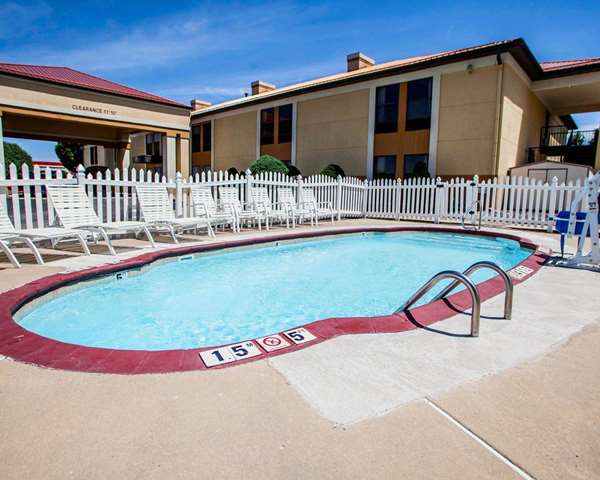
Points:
(478, 110)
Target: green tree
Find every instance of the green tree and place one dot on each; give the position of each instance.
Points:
(267, 163)
(70, 154)
(333, 170)
(13, 153)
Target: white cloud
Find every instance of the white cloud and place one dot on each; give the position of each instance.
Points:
(168, 40)
(18, 20)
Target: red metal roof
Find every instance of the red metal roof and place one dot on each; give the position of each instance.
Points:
(561, 64)
(68, 76)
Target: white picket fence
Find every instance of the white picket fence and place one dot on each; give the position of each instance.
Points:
(516, 201)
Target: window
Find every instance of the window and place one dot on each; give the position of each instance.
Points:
(418, 104)
(93, 156)
(385, 166)
(153, 144)
(267, 124)
(206, 137)
(386, 109)
(285, 123)
(195, 138)
(415, 166)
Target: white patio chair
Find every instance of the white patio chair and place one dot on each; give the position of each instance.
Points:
(204, 205)
(9, 235)
(74, 211)
(157, 211)
(287, 198)
(319, 209)
(261, 203)
(230, 201)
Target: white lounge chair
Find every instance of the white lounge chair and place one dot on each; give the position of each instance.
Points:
(157, 212)
(74, 211)
(205, 206)
(319, 209)
(9, 235)
(261, 203)
(287, 198)
(230, 201)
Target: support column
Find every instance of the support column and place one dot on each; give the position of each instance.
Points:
(371, 133)
(434, 127)
(597, 163)
(100, 151)
(183, 156)
(2, 167)
(294, 135)
(87, 155)
(169, 154)
(123, 158)
(2, 161)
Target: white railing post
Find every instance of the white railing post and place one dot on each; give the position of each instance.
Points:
(248, 186)
(471, 196)
(80, 175)
(398, 202)
(338, 199)
(552, 205)
(178, 195)
(440, 192)
(365, 198)
(300, 182)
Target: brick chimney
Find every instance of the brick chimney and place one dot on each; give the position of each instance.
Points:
(259, 86)
(199, 104)
(358, 60)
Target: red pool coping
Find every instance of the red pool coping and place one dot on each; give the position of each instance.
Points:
(28, 347)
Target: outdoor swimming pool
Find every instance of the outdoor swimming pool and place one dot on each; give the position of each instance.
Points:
(230, 296)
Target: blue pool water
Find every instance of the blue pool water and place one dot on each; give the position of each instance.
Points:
(238, 295)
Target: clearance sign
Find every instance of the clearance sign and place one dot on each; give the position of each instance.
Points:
(99, 110)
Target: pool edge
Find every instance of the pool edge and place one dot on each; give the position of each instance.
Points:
(28, 347)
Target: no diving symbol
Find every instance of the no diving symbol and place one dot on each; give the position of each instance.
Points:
(272, 341)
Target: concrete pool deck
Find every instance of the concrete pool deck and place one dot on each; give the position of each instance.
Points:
(360, 406)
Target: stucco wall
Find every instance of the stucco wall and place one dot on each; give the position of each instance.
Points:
(467, 122)
(523, 115)
(333, 129)
(235, 141)
(70, 101)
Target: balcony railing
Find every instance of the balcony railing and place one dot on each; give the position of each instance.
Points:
(562, 137)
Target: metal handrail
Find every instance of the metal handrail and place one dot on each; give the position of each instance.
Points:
(459, 278)
(508, 284)
(470, 211)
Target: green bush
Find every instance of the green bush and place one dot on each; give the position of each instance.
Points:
(13, 153)
(333, 170)
(267, 163)
(293, 171)
(70, 155)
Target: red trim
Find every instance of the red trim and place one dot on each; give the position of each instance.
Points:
(29, 347)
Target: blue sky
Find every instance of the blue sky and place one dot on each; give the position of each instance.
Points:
(214, 50)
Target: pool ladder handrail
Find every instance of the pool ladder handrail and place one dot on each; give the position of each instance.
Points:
(463, 278)
(472, 213)
(459, 278)
(508, 284)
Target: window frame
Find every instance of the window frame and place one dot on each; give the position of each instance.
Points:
(415, 122)
(206, 136)
(265, 135)
(285, 125)
(376, 175)
(196, 140)
(406, 155)
(388, 107)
